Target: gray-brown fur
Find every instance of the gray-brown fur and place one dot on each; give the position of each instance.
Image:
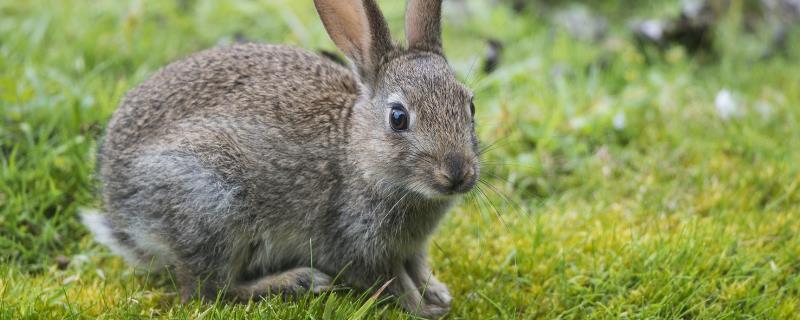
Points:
(241, 166)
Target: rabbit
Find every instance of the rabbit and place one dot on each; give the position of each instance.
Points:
(253, 169)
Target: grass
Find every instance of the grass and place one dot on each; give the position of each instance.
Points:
(619, 190)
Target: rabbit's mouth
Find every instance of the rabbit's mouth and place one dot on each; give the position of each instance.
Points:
(447, 185)
(454, 176)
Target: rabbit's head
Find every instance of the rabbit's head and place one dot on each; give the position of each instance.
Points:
(414, 119)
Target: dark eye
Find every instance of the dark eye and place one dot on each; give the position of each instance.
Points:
(398, 117)
(472, 108)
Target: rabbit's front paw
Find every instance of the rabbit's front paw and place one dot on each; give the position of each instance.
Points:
(431, 311)
(437, 293)
(311, 280)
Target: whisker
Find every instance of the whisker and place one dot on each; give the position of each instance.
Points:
(467, 80)
(515, 205)
(508, 182)
(480, 203)
(508, 164)
(496, 211)
(493, 145)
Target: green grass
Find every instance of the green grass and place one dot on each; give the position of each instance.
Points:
(675, 213)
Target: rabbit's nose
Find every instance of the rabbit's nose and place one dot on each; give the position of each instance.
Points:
(458, 172)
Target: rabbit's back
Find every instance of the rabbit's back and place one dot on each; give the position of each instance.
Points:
(285, 90)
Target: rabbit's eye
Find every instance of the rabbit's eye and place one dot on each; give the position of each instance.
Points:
(472, 108)
(398, 117)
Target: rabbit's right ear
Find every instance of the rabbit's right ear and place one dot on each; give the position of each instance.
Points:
(423, 25)
(358, 28)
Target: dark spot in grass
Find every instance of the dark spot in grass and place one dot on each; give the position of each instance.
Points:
(185, 5)
(62, 262)
(494, 50)
(779, 45)
(92, 129)
(518, 6)
(693, 29)
(530, 144)
(602, 63)
(239, 37)
(50, 211)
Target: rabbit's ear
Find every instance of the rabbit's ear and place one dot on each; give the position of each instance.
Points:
(358, 28)
(423, 25)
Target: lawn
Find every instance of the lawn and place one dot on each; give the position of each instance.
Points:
(623, 182)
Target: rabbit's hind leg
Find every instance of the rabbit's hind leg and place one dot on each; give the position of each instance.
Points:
(293, 282)
(186, 206)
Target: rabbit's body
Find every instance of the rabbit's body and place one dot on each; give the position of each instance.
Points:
(258, 169)
(277, 185)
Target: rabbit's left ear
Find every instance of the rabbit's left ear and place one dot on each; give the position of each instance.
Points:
(423, 25)
(358, 28)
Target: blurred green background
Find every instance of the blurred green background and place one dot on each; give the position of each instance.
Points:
(643, 155)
